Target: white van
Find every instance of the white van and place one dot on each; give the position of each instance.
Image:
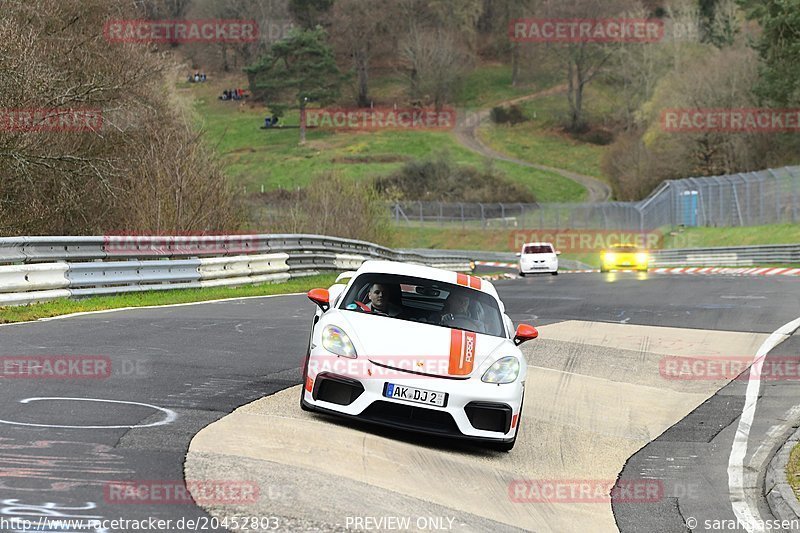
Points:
(538, 257)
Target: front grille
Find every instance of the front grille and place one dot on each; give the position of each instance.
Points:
(489, 416)
(411, 417)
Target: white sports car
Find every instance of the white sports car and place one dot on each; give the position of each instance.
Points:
(417, 348)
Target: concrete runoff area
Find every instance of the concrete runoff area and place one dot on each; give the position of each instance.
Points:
(594, 396)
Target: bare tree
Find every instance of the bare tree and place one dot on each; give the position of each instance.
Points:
(436, 63)
(582, 60)
(271, 16)
(92, 179)
(359, 31)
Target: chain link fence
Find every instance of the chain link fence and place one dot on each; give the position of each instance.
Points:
(746, 199)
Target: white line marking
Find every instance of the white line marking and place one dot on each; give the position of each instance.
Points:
(746, 514)
(168, 419)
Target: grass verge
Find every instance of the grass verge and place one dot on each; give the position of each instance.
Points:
(24, 313)
(541, 140)
(740, 236)
(793, 470)
(256, 158)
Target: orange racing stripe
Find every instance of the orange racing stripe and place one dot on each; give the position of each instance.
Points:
(462, 352)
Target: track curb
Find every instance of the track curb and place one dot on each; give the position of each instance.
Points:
(779, 494)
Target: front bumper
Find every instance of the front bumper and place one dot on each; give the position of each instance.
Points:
(474, 410)
(535, 268)
(621, 265)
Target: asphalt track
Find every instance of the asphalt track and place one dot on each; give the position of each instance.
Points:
(600, 403)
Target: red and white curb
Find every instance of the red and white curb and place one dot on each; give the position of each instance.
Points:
(748, 271)
(707, 270)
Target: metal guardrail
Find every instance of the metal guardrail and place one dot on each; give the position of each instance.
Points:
(45, 268)
(728, 256)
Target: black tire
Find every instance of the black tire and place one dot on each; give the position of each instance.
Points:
(603, 269)
(555, 273)
(522, 274)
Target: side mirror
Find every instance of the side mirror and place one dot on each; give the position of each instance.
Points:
(524, 333)
(321, 298)
(519, 254)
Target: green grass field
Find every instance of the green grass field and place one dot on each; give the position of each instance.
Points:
(703, 237)
(24, 313)
(793, 470)
(541, 139)
(273, 159)
(490, 84)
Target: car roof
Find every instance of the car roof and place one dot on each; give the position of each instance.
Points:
(426, 272)
(537, 244)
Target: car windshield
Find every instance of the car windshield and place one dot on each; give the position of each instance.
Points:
(423, 300)
(538, 249)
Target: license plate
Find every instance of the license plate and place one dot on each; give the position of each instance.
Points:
(412, 394)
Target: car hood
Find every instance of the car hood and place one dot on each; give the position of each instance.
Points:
(420, 347)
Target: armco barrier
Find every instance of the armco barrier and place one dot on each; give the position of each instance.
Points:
(728, 256)
(46, 268)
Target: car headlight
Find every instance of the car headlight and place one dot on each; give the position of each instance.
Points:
(336, 341)
(610, 257)
(505, 370)
(641, 258)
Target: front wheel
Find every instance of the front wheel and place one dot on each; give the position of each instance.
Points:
(555, 273)
(522, 274)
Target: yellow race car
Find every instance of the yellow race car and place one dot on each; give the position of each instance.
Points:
(624, 257)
